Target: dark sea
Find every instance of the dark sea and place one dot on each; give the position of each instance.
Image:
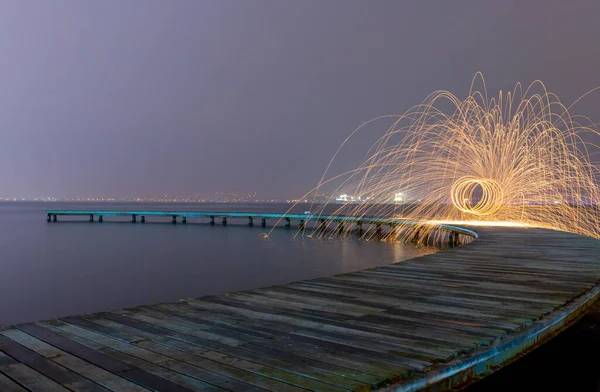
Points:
(51, 270)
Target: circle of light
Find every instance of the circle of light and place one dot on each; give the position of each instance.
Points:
(525, 139)
(463, 190)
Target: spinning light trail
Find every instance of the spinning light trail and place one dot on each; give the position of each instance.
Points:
(518, 158)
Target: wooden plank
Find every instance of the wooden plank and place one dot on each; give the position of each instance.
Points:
(156, 365)
(406, 293)
(283, 360)
(309, 347)
(197, 368)
(398, 343)
(259, 340)
(61, 375)
(27, 377)
(8, 385)
(399, 286)
(281, 328)
(472, 305)
(421, 338)
(412, 356)
(541, 285)
(106, 362)
(392, 299)
(226, 356)
(92, 372)
(353, 377)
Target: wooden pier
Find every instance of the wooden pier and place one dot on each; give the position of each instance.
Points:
(447, 234)
(183, 216)
(434, 322)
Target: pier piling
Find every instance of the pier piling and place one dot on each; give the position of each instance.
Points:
(288, 223)
(184, 219)
(101, 220)
(359, 226)
(250, 221)
(263, 222)
(143, 219)
(417, 235)
(321, 225)
(453, 239)
(49, 218)
(133, 219)
(212, 220)
(224, 221)
(174, 219)
(54, 218)
(91, 217)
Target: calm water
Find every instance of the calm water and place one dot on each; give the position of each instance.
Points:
(52, 270)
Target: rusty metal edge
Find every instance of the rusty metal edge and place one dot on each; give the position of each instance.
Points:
(461, 372)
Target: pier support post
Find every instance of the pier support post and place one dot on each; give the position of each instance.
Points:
(54, 218)
(174, 219)
(212, 220)
(49, 218)
(321, 225)
(250, 221)
(184, 219)
(263, 222)
(133, 219)
(359, 225)
(302, 225)
(340, 228)
(224, 222)
(393, 234)
(287, 222)
(143, 219)
(91, 217)
(453, 239)
(378, 230)
(100, 219)
(417, 235)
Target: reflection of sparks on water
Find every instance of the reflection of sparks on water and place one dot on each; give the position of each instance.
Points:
(517, 159)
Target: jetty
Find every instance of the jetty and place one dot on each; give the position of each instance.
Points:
(436, 322)
(451, 235)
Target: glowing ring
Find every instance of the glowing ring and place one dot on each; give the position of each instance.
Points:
(491, 199)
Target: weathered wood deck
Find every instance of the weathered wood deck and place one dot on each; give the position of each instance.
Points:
(437, 320)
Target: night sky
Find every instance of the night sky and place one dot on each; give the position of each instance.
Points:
(147, 97)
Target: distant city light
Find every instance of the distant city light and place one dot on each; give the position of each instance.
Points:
(219, 197)
(348, 199)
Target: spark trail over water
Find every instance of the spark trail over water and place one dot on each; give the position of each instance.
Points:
(519, 158)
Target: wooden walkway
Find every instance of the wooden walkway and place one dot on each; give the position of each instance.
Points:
(326, 220)
(435, 321)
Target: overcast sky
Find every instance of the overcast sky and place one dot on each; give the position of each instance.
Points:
(186, 97)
